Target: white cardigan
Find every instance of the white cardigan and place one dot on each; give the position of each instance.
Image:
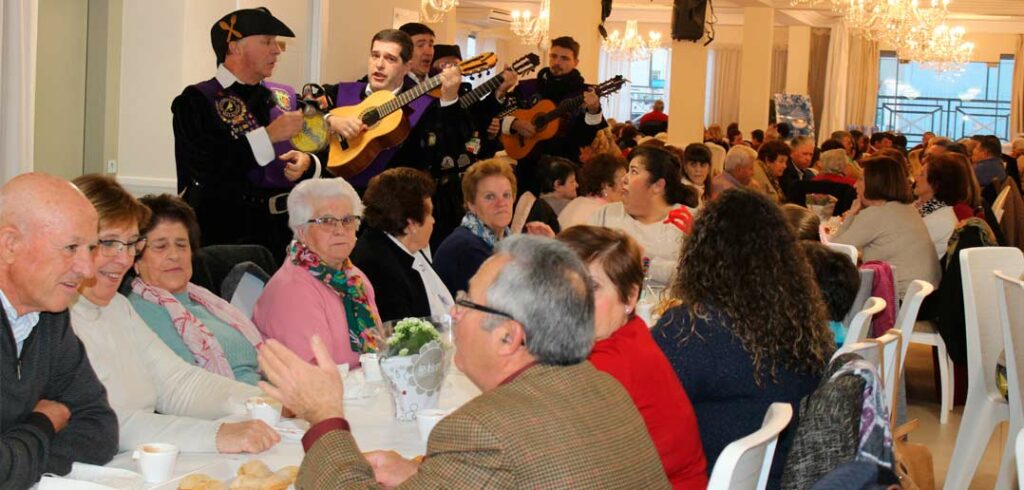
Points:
(143, 376)
(940, 224)
(660, 241)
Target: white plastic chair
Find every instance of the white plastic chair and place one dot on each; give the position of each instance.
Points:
(1011, 315)
(985, 407)
(1020, 452)
(248, 291)
(717, 159)
(907, 316)
(924, 332)
(999, 205)
(861, 322)
(522, 211)
(745, 463)
(847, 250)
(889, 365)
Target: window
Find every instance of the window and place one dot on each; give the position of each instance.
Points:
(471, 46)
(913, 99)
(647, 82)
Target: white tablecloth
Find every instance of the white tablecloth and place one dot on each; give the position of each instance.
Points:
(373, 426)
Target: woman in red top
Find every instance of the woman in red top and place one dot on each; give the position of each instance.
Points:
(626, 350)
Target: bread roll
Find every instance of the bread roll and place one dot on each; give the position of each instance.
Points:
(193, 481)
(289, 472)
(275, 482)
(247, 482)
(255, 467)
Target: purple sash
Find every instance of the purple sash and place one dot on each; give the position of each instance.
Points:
(238, 117)
(352, 94)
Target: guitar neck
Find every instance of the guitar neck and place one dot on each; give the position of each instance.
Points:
(478, 93)
(409, 95)
(567, 106)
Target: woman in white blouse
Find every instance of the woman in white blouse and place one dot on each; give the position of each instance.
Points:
(656, 210)
(394, 251)
(157, 396)
(939, 186)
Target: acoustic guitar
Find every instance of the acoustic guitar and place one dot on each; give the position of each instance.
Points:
(521, 66)
(547, 117)
(382, 114)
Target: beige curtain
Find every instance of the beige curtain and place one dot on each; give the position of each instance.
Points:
(833, 117)
(780, 56)
(1017, 99)
(17, 86)
(862, 82)
(816, 71)
(722, 102)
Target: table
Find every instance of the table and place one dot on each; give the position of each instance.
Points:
(373, 426)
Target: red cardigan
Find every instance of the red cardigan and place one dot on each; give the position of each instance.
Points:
(631, 356)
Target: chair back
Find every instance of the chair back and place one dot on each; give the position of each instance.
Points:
(744, 464)
(858, 330)
(248, 290)
(981, 312)
(847, 250)
(1011, 313)
(907, 317)
(717, 159)
(999, 205)
(867, 278)
(1019, 444)
(884, 352)
(522, 211)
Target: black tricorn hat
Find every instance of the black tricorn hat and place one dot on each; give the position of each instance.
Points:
(244, 23)
(443, 50)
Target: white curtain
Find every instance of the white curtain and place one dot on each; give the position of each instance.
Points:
(834, 113)
(780, 58)
(17, 85)
(668, 82)
(1017, 98)
(862, 82)
(615, 106)
(722, 100)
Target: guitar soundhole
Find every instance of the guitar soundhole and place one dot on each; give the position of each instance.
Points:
(370, 117)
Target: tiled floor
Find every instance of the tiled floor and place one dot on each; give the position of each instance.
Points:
(923, 405)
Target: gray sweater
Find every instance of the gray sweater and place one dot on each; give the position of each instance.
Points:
(52, 366)
(894, 233)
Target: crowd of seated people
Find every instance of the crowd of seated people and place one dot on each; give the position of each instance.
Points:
(750, 308)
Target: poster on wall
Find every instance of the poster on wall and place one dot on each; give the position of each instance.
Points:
(795, 110)
(404, 16)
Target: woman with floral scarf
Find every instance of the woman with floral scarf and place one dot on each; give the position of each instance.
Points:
(318, 291)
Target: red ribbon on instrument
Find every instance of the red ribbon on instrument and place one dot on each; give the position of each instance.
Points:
(680, 218)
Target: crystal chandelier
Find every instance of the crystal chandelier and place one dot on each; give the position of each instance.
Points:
(530, 29)
(434, 10)
(945, 50)
(631, 45)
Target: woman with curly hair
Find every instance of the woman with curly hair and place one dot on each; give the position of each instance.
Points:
(749, 327)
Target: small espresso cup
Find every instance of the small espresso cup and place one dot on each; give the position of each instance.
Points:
(427, 419)
(156, 460)
(262, 408)
(371, 367)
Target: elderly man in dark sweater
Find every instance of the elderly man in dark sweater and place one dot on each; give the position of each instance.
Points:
(53, 409)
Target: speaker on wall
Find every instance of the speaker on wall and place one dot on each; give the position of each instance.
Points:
(688, 19)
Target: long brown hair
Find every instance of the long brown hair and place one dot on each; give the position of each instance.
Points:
(741, 261)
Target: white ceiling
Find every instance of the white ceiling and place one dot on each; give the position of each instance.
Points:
(990, 15)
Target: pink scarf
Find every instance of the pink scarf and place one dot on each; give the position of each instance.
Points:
(199, 340)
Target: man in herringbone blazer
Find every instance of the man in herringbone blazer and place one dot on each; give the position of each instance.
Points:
(546, 418)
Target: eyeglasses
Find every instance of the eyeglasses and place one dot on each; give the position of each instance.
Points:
(113, 248)
(462, 300)
(350, 222)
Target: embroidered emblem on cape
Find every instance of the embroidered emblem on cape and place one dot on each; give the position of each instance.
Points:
(283, 100)
(232, 111)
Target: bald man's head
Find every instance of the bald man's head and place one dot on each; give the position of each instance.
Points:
(47, 233)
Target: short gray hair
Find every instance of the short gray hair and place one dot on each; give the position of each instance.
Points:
(547, 288)
(305, 196)
(834, 161)
(801, 141)
(739, 156)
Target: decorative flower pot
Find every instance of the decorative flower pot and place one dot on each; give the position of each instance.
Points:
(415, 381)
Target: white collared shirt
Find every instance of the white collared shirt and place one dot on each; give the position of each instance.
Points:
(21, 326)
(438, 297)
(259, 139)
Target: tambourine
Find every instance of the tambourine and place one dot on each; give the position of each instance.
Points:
(315, 132)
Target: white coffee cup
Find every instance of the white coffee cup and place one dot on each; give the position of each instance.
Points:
(427, 419)
(262, 408)
(371, 367)
(156, 460)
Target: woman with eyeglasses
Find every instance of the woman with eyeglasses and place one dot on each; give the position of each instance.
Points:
(318, 290)
(157, 396)
(195, 323)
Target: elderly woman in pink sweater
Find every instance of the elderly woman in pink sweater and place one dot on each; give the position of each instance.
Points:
(318, 291)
